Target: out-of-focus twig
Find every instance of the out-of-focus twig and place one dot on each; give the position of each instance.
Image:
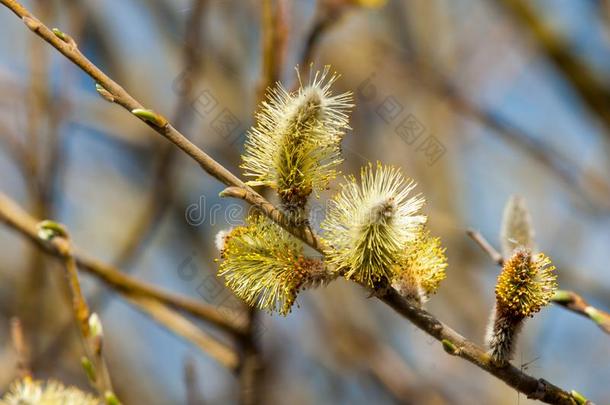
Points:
(592, 186)
(193, 392)
(88, 324)
(12, 215)
(39, 109)
(181, 326)
(328, 14)
(161, 195)
(251, 363)
(274, 39)
(566, 299)
(21, 348)
(594, 92)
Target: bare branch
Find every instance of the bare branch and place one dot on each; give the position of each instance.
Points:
(186, 329)
(576, 303)
(486, 246)
(16, 218)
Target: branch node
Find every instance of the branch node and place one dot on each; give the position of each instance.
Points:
(579, 398)
(540, 389)
(450, 347)
(151, 117)
(32, 23)
(106, 95)
(48, 230)
(235, 192)
(64, 37)
(111, 399)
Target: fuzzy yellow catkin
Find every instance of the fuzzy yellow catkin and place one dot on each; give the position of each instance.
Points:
(32, 392)
(295, 146)
(525, 285)
(420, 273)
(264, 265)
(370, 224)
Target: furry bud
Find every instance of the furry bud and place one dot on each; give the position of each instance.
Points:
(419, 275)
(525, 285)
(295, 145)
(264, 265)
(370, 224)
(28, 391)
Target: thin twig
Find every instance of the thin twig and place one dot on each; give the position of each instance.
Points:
(16, 218)
(566, 299)
(576, 303)
(91, 339)
(274, 40)
(21, 348)
(326, 17)
(251, 363)
(154, 302)
(161, 195)
(486, 246)
(187, 329)
(193, 392)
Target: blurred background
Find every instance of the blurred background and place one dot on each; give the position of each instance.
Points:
(476, 100)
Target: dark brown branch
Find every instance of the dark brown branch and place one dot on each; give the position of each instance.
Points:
(539, 389)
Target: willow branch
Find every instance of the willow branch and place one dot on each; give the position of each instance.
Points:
(186, 329)
(155, 303)
(161, 195)
(575, 303)
(91, 339)
(120, 96)
(457, 345)
(12, 215)
(532, 387)
(566, 299)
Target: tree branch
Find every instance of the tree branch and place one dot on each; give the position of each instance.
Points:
(457, 345)
(187, 329)
(575, 303)
(16, 218)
